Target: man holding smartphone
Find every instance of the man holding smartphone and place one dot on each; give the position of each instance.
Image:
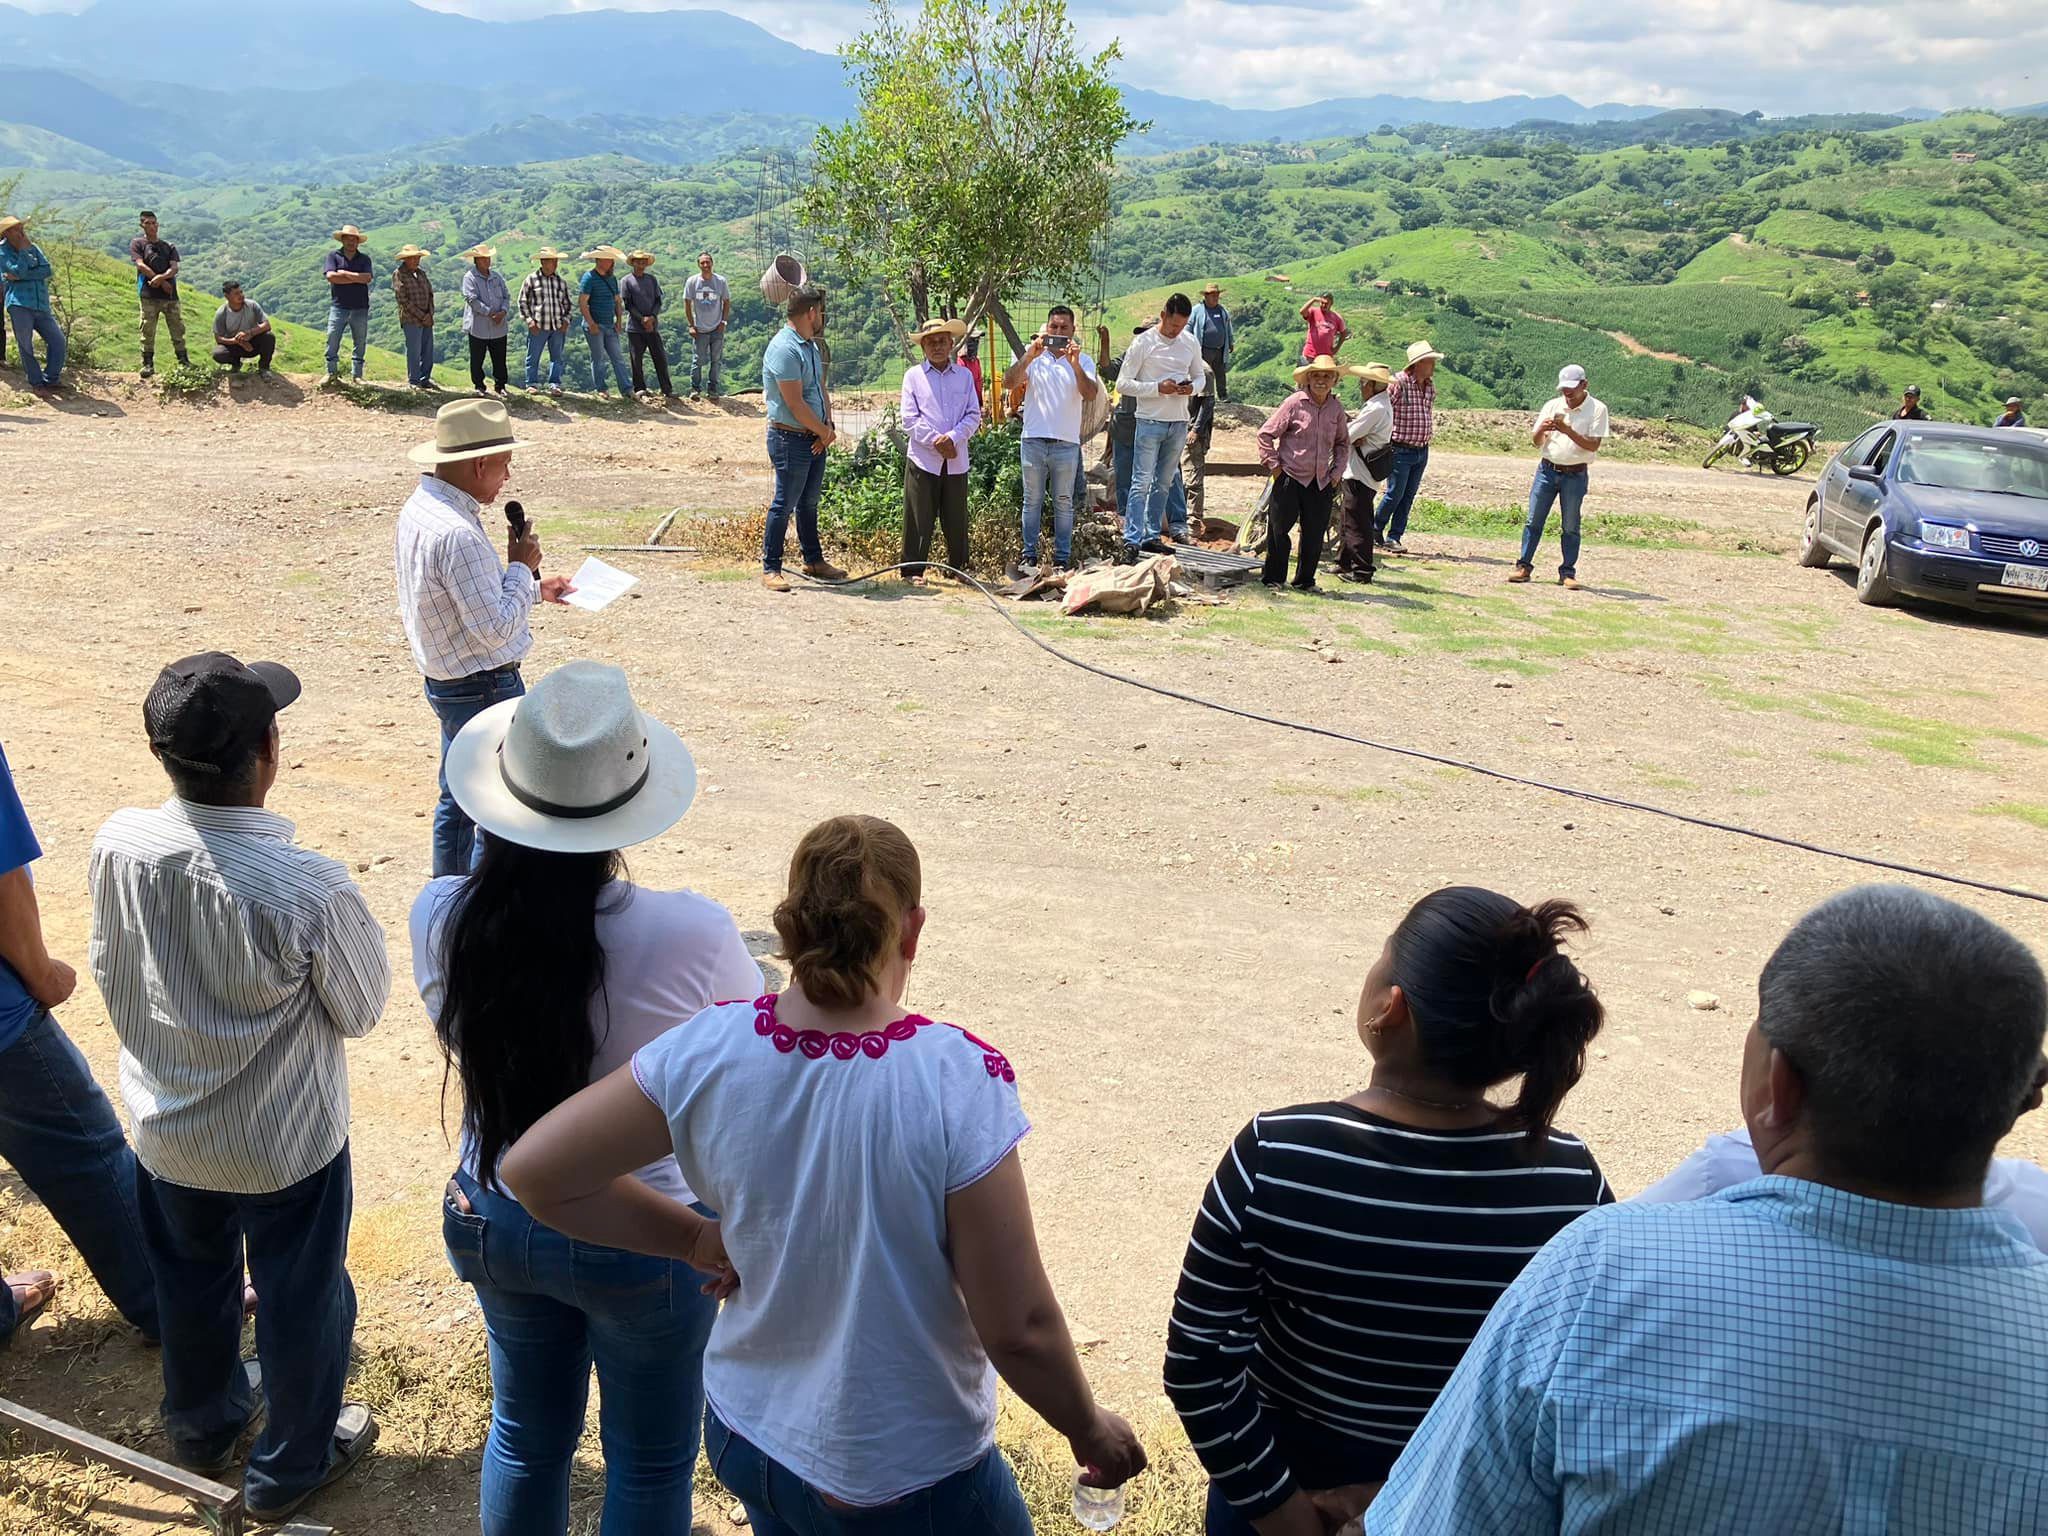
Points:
(1056, 375)
(1163, 371)
(1569, 431)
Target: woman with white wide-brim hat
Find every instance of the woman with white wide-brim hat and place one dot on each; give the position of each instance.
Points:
(544, 970)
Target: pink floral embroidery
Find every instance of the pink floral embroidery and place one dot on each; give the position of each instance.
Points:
(841, 1045)
(997, 1063)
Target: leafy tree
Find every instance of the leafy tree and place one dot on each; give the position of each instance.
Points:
(979, 159)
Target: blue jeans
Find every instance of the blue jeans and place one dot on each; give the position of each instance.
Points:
(1155, 456)
(556, 345)
(457, 703)
(357, 323)
(799, 481)
(709, 348)
(419, 353)
(605, 344)
(552, 1308)
(30, 323)
(1402, 484)
(296, 1241)
(1049, 464)
(1568, 491)
(58, 1132)
(981, 1501)
(1177, 502)
(1122, 464)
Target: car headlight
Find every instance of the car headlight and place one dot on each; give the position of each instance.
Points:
(1940, 536)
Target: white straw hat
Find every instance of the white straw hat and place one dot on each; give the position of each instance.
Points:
(573, 767)
(468, 429)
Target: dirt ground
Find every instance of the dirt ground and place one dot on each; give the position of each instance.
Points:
(1160, 913)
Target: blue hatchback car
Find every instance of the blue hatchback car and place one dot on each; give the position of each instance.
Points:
(1951, 514)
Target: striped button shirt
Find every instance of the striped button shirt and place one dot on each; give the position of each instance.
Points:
(1339, 1267)
(233, 963)
(463, 609)
(1782, 1356)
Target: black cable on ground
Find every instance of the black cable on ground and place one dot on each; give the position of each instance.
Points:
(1592, 797)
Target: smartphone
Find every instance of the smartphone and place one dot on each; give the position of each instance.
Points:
(1057, 343)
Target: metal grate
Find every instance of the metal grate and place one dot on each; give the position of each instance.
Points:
(2012, 546)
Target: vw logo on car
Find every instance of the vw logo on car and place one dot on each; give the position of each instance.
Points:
(2031, 548)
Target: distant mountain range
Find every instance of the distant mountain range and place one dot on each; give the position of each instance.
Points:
(379, 84)
(141, 82)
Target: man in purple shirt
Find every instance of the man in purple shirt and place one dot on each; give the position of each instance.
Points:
(941, 410)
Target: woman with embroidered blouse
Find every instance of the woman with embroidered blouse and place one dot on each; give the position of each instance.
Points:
(1347, 1251)
(881, 1266)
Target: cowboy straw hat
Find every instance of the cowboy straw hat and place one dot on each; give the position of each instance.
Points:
(573, 767)
(11, 222)
(468, 429)
(488, 252)
(646, 256)
(407, 250)
(603, 253)
(347, 232)
(548, 253)
(1422, 351)
(938, 327)
(1377, 373)
(1212, 288)
(1325, 364)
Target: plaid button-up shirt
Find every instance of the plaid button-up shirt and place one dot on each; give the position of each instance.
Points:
(415, 292)
(544, 301)
(1414, 409)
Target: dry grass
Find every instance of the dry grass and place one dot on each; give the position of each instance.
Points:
(994, 544)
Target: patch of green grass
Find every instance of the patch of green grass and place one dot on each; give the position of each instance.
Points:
(1300, 789)
(909, 706)
(299, 581)
(1658, 778)
(1057, 626)
(1831, 755)
(1623, 530)
(724, 573)
(2018, 810)
(1513, 664)
(1923, 742)
(1258, 622)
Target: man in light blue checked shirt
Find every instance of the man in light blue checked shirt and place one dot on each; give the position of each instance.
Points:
(1851, 1343)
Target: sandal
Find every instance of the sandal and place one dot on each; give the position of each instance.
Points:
(34, 1289)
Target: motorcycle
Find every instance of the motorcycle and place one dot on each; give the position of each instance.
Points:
(1760, 441)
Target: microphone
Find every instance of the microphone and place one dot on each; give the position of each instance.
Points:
(515, 518)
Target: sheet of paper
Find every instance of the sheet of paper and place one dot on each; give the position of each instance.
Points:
(597, 584)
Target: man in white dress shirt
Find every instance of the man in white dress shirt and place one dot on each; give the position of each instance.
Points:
(234, 964)
(466, 614)
(1569, 431)
(1162, 372)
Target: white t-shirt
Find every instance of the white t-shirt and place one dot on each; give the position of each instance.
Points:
(847, 1354)
(1589, 420)
(1370, 431)
(2012, 1185)
(667, 955)
(1052, 396)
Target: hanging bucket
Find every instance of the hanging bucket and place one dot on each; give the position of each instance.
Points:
(784, 276)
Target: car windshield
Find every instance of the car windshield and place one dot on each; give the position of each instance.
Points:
(2005, 469)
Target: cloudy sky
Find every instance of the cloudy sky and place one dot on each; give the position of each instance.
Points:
(1779, 56)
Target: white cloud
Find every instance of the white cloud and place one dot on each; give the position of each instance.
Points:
(1780, 56)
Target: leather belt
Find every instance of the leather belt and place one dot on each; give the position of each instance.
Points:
(777, 426)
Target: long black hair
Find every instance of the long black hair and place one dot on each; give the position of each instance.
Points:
(522, 964)
(1494, 996)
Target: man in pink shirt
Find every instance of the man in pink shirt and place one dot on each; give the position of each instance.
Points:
(1304, 445)
(940, 409)
(1326, 329)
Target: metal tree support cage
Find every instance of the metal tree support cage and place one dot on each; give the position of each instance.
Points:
(1026, 306)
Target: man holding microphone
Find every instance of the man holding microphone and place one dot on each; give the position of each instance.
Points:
(1569, 430)
(465, 615)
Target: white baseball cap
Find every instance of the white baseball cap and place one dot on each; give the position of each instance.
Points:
(1570, 376)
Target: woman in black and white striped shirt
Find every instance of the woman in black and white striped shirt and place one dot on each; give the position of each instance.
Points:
(1346, 1252)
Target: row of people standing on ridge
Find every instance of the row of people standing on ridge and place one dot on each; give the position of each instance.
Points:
(1375, 1291)
(616, 313)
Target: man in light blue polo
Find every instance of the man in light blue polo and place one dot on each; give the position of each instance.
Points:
(799, 432)
(1850, 1343)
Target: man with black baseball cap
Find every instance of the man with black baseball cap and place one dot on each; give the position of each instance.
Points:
(234, 964)
(1909, 406)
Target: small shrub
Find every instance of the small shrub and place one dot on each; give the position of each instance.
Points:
(188, 381)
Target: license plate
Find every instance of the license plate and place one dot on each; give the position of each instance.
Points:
(2033, 577)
